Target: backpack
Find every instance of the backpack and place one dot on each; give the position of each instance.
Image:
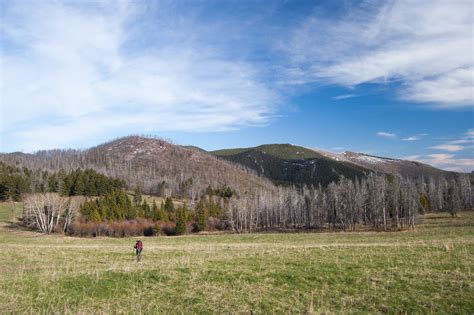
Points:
(139, 245)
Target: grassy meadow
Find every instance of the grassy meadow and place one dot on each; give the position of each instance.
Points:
(428, 270)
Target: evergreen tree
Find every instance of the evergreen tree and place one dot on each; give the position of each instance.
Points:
(78, 186)
(95, 216)
(154, 209)
(169, 206)
(137, 198)
(425, 204)
(66, 186)
(180, 221)
(90, 184)
(20, 186)
(147, 210)
(53, 183)
(3, 192)
(201, 216)
(160, 213)
(214, 209)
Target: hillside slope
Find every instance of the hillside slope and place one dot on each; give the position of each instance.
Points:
(388, 165)
(151, 164)
(290, 164)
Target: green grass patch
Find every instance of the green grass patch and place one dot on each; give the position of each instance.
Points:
(9, 211)
(427, 270)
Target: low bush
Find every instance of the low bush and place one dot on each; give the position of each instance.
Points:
(168, 228)
(214, 224)
(112, 229)
(149, 231)
(157, 229)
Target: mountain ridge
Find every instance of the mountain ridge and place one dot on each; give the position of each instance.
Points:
(151, 163)
(268, 158)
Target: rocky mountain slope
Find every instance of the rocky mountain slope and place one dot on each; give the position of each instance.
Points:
(290, 164)
(388, 165)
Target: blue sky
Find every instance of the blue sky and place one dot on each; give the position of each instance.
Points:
(389, 78)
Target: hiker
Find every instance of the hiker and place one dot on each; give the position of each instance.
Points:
(138, 249)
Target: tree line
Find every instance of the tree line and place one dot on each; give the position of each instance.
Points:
(16, 181)
(383, 202)
(118, 206)
(247, 202)
(380, 201)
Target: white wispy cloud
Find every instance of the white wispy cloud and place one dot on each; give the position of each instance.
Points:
(70, 72)
(344, 96)
(387, 135)
(448, 147)
(446, 162)
(415, 137)
(461, 141)
(424, 46)
(465, 142)
(470, 134)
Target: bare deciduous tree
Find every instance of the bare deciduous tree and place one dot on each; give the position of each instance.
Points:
(45, 212)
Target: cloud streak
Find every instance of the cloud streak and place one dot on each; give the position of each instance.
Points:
(76, 71)
(424, 47)
(443, 161)
(387, 135)
(448, 147)
(415, 137)
(344, 96)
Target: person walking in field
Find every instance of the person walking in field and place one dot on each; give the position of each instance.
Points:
(138, 249)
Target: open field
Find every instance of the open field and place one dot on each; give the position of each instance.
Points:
(426, 270)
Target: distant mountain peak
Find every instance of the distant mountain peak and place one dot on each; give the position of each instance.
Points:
(289, 163)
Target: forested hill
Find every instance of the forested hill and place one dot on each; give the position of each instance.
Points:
(248, 201)
(156, 166)
(290, 164)
(150, 164)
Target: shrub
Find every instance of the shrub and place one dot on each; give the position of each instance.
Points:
(214, 224)
(180, 227)
(149, 231)
(157, 229)
(168, 228)
(114, 229)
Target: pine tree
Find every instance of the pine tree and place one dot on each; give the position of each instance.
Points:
(91, 184)
(180, 221)
(53, 183)
(148, 214)
(66, 186)
(169, 206)
(78, 187)
(159, 214)
(137, 199)
(202, 216)
(95, 216)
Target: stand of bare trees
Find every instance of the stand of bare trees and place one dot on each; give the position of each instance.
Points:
(49, 212)
(156, 167)
(381, 201)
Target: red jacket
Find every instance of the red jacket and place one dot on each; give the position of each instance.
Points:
(139, 245)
